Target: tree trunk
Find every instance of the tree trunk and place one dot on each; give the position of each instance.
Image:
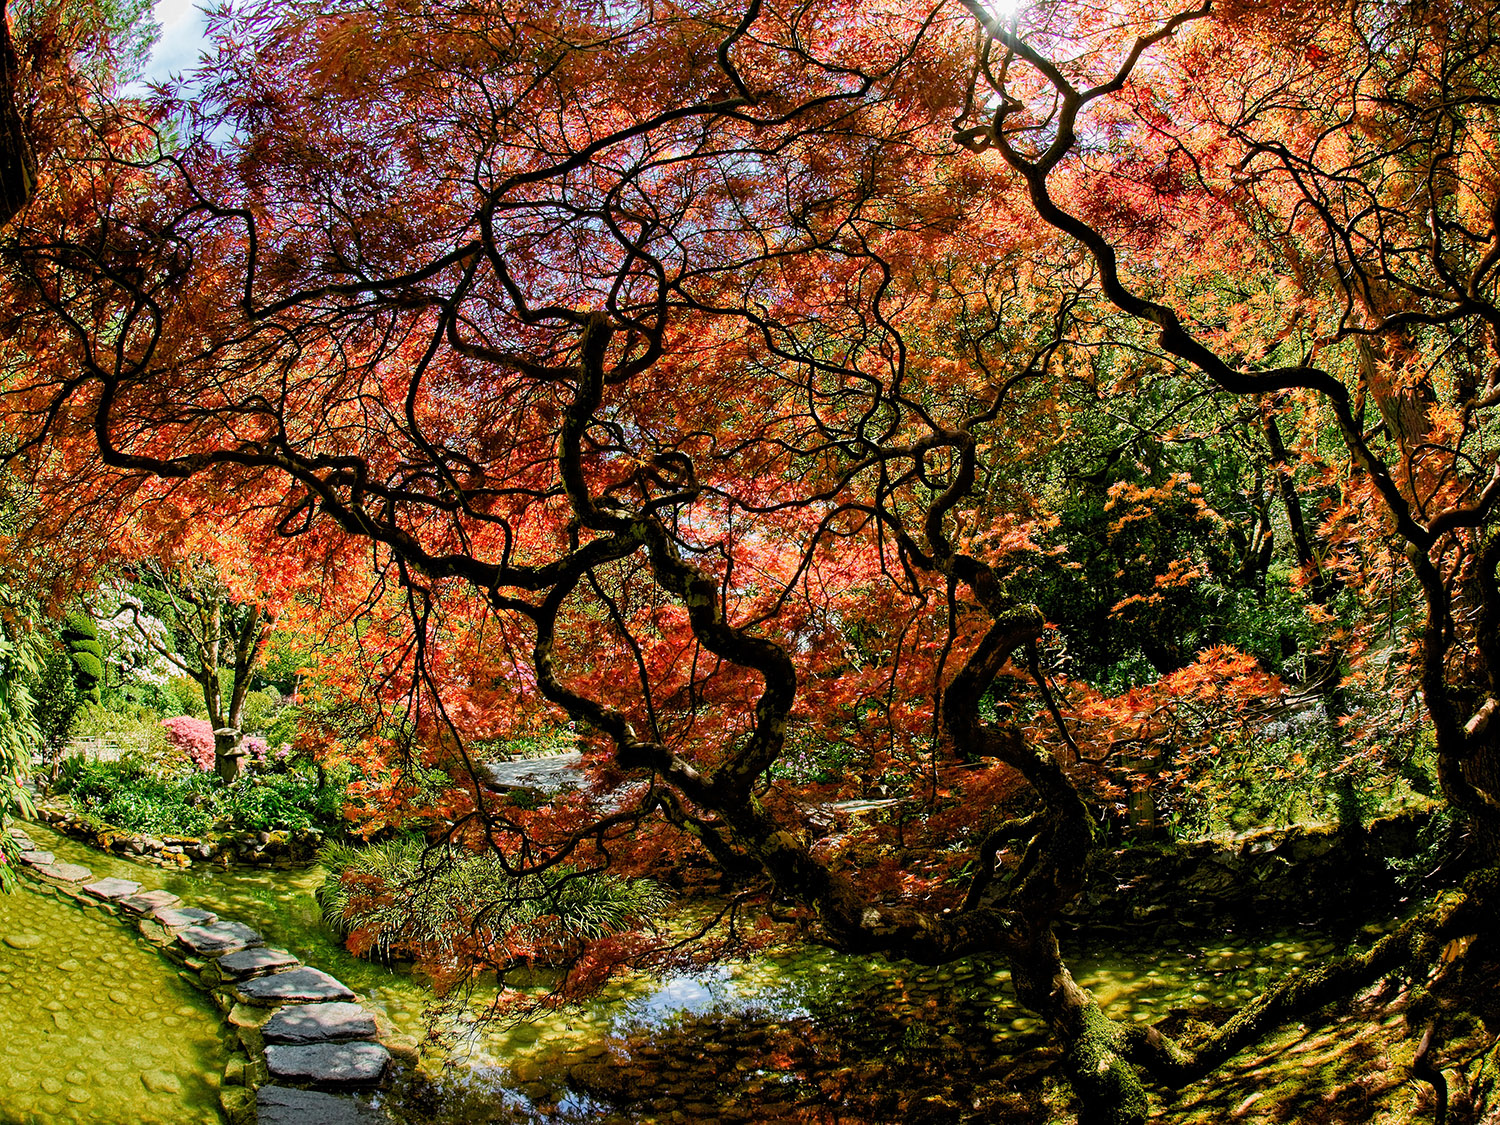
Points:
(17, 163)
(1108, 1087)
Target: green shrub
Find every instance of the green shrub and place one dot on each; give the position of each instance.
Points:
(402, 897)
(131, 725)
(81, 636)
(186, 696)
(90, 667)
(129, 793)
(134, 794)
(57, 701)
(258, 710)
(282, 729)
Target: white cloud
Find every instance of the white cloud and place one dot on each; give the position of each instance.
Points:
(181, 39)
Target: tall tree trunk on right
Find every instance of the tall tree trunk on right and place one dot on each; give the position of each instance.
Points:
(17, 163)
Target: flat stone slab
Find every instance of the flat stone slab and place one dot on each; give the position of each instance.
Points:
(300, 985)
(319, 1023)
(65, 872)
(281, 1105)
(37, 859)
(254, 962)
(112, 889)
(220, 937)
(328, 1064)
(175, 919)
(25, 941)
(149, 902)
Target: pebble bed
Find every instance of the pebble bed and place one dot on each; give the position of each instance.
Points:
(299, 1040)
(67, 985)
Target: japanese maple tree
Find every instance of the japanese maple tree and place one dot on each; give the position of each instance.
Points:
(663, 366)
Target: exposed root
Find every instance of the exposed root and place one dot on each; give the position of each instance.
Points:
(1423, 1070)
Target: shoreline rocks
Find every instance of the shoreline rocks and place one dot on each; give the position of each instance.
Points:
(248, 848)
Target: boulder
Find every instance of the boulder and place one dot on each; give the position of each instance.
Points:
(360, 1063)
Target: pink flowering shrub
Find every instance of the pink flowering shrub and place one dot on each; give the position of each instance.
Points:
(193, 738)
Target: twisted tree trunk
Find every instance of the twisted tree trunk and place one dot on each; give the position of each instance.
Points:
(17, 164)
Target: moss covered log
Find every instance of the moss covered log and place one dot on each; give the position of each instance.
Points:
(1412, 948)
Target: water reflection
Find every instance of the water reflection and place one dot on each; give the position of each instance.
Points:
(867, 1039)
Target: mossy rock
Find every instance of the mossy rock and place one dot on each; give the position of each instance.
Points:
(238, 1103)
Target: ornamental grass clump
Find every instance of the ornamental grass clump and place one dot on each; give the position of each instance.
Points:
(402, 898)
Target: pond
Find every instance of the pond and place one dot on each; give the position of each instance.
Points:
(804, 1034)
(70, 983)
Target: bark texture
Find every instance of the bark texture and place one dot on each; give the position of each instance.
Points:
(17, 163)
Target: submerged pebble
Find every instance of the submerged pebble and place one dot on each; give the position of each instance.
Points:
(72, 1030)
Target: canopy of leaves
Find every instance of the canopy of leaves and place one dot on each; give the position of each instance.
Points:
(740, 381)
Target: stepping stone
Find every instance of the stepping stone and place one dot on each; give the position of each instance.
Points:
(328, 1064)
(280, 1105)
(20, 837)
(255, 962)
(65, 872)
(24, 941)
(149, 902)
(295, 986)
(112, 889)
(37, 859)
(221, 937)
(175, 919)
(319, 1023)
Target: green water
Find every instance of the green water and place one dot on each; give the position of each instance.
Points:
(867, 1037)
(278, 904)
(96, 1027)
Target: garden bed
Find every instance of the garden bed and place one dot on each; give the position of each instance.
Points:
(259, 848)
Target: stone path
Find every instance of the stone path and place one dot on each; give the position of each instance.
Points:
(302, 1033)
